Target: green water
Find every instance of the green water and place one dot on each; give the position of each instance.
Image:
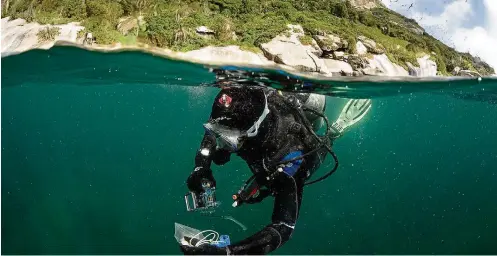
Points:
(96, 149)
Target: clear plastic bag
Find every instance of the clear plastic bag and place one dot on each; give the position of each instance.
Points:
(192, 237)
(182, 231)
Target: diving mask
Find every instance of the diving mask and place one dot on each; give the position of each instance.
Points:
(227, 138)
(232, 138)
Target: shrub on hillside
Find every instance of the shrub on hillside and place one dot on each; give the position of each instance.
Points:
(48, 34)
(305, 40)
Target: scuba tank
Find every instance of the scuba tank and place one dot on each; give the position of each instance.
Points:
(310, 101)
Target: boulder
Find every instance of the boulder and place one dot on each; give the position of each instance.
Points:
(345, 44)
(356, 62)
(371, 45)
(338, 55)
(381, 65)
(357, 73)
(295, 29)
(416, 29)
(7, 23)
(456, 70)
(365, 4)
(288, 50)
(466, 73)
(336, 66)
(18, 36)
(204, 30)
(370, 71)
(427, 68)
(329, 43)
(361, 49)
(127, 24)
(296, 32)
(231, 54)
(327, 55)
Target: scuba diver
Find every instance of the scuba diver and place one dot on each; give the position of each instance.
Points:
(276, 134)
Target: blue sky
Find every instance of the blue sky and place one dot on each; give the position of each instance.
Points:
(466, 25)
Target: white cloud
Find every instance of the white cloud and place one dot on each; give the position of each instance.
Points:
(453, 16)
(449, 27)
(491, 7)
(480, 41)
(477, 41)
(403, 5)
(386, 3)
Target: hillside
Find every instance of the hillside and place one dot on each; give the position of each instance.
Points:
(335, 26)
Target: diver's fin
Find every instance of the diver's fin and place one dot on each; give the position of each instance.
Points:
(352, 113)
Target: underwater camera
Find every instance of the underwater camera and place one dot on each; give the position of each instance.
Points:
(201, 202)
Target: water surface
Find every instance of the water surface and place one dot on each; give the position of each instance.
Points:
(96, 149)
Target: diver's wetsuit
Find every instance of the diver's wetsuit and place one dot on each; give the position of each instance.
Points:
(282, 133)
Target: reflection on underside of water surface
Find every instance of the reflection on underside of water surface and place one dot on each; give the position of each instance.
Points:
(479, 89)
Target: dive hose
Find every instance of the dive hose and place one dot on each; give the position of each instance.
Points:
(321, 143)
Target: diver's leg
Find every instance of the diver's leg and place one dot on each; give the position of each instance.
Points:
(316, 102)
(352, 113)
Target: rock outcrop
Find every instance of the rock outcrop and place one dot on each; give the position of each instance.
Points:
(324, 55)
(18, 36)
(361, 49)
(365, 4)
(330, 42)
(204, 30)
(427, 68)
(467, 73)
(380, 65)
(356, 61)
(291, 52)
(338, 55)
(338, 67)
(128, 24)
(231, 54)
(371, 45)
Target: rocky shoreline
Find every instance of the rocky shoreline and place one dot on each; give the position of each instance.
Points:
(324, 55)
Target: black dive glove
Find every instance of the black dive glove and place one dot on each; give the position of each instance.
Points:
(198, 177)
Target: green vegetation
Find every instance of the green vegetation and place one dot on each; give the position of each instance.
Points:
(305, 40)
(48, 34)
(248, 23)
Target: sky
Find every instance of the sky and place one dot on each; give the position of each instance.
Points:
(467, 25)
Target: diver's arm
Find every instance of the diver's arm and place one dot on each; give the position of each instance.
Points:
(263, 193)
(288, 195)
(206, 154)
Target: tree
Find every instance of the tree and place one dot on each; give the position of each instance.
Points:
(233, 7)
(353, 15)
(340, 10)
(5, 7)
(132, 6)
(367, 19)
(411, 47)
(73, 9)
